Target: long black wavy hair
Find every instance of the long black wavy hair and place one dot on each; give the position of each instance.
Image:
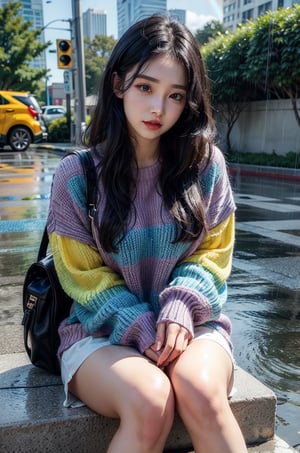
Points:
(182, 148)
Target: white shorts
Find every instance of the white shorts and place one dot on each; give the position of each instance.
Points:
(73, 357)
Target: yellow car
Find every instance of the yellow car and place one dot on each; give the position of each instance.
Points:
(20, 123)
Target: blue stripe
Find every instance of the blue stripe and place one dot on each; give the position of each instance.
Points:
(77, 189)
(153, 242)
(209, 179)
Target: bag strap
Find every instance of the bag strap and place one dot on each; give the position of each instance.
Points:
(91, 194)
(91, 180)
(43, 245)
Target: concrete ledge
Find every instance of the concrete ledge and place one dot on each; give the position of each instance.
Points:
(33, 417)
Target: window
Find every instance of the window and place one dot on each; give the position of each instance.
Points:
(28, 100)
(247, 15)
(229, 18)
(228, 8)
(3, 101)
(262, 9)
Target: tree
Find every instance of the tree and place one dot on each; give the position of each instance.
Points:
(273, 55)
(258, 60)
(18, 46)
(96, 53)
(210, 30)
(225, 59)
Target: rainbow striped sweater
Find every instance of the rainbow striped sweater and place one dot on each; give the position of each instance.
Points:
(150, 279)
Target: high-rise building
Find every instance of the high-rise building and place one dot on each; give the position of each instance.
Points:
(239, 11)
(130, 11)
(94, 23)
(33, 10)
(179, 14)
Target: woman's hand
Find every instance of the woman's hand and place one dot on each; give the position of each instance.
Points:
(171, 340)
(152, 354)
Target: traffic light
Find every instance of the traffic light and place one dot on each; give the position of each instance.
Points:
(64, 53)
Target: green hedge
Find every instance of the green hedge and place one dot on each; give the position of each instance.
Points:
(289, 160)
(58, 131)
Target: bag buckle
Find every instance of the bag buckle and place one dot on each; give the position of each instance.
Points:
(31, 302)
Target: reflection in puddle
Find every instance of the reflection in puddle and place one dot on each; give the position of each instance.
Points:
(44, 196)
(266, 337)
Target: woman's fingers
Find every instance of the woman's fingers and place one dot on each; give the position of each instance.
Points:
(177, 339)
(160, 336)
(151, 354)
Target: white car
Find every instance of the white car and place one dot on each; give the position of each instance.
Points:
(52, 112)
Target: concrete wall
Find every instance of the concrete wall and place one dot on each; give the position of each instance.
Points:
(265, 126)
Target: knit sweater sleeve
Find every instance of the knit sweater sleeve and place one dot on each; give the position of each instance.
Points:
(198, 289)
(103, 302)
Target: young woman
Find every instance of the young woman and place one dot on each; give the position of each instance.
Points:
(146, 335)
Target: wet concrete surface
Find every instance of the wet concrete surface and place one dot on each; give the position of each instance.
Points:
(264, 289)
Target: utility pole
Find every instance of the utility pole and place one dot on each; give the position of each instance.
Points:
(79, 71)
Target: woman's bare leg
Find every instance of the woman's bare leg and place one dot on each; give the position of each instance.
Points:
(202, 378)
(118, 382)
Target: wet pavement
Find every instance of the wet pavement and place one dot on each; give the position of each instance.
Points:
(264, 289)
(264, 292)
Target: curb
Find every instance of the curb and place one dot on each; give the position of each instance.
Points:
(287, 174)
(235, 169)
(59, 147)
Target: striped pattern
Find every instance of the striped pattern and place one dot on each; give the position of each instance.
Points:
(150, 279)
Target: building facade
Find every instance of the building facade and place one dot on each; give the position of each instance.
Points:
(94, 23)
(178, 14)
(239, 11)
(130, 11)
(32, 10)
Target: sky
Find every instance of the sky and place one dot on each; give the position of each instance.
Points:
(198, 13)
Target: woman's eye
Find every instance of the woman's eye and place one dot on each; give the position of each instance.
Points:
(144, 88)
(177, 96)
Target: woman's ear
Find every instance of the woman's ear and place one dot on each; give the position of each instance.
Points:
(117, 84)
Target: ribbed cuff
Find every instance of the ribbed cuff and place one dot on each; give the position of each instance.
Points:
(142, 333)
(185, 307)
(174, 310)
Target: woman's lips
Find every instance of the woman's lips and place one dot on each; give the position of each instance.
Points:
(152, 125)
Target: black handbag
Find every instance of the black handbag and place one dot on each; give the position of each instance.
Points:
(45, 304)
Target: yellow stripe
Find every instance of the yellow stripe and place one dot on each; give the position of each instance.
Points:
(215, 251)
(80, 268)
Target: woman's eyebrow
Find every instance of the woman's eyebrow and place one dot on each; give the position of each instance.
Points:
(153, 79)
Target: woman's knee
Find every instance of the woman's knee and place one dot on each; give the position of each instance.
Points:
(200, 397)
(150, 408)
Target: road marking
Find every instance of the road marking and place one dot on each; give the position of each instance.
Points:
(270, 204)
(274, 234)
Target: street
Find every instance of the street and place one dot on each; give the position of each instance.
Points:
(264, 289)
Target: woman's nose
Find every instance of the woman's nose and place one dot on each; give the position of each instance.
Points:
(157, 106)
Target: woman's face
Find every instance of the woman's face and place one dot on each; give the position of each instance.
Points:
(156, 98)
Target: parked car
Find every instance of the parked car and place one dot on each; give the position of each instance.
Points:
(52, 112)
(19, 120)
